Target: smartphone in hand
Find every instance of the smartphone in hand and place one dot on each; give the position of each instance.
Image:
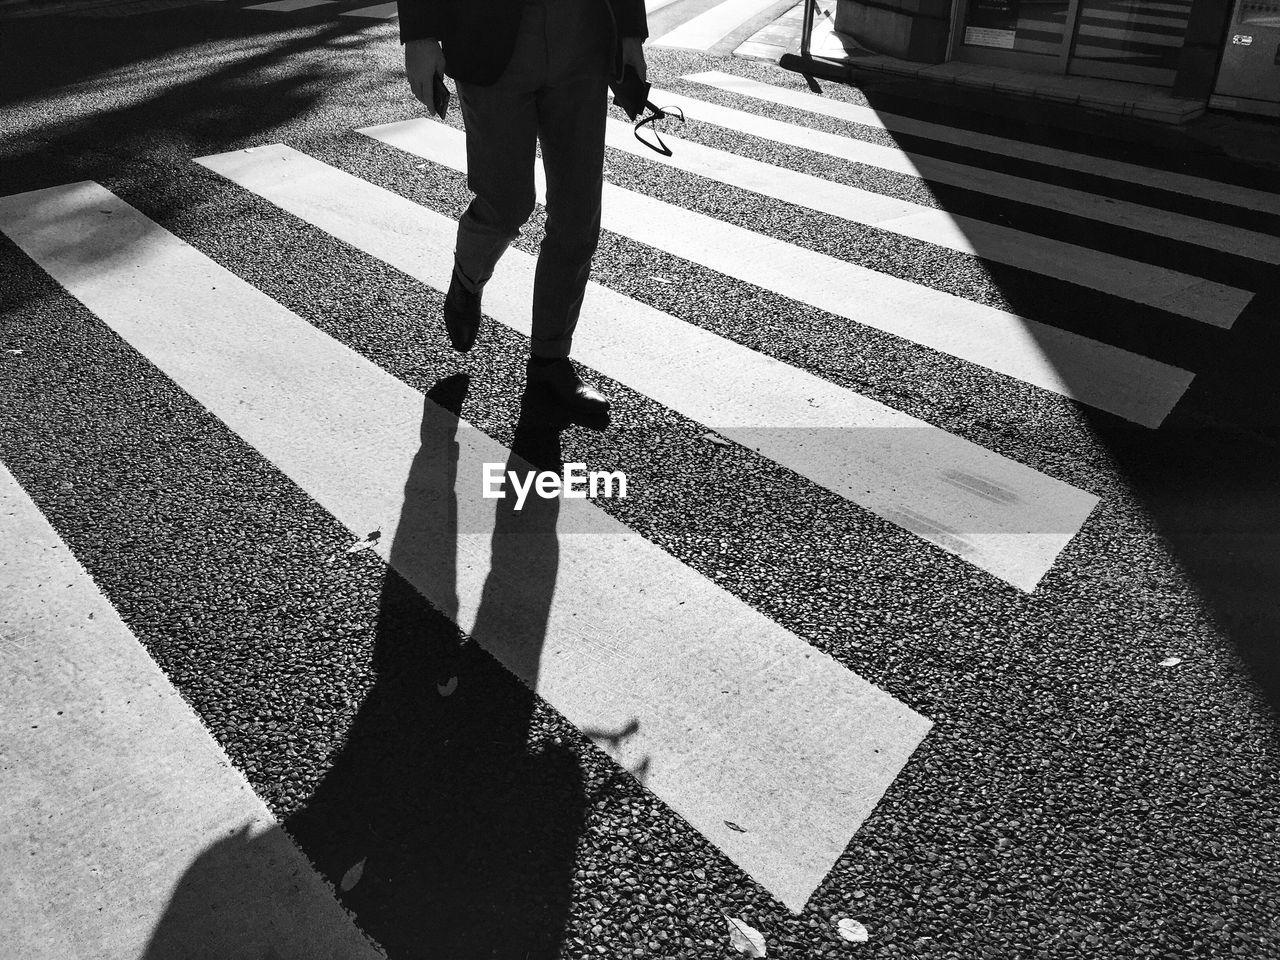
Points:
(439, 95)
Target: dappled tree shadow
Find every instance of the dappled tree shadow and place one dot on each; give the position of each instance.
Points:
(129, 102)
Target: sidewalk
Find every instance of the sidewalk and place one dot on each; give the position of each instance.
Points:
(1059, 100)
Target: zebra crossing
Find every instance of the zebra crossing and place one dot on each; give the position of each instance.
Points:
(111, 693)
(1054, 157)
(698, 25)
(1051, 359)
(774, 409)
(716, 28)
(647, 642)
(1102, 209)
(256, 366)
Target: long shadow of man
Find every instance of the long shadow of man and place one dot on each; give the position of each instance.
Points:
(464, 833)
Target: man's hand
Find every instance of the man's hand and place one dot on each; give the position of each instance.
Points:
(633, 54)
(423, 59)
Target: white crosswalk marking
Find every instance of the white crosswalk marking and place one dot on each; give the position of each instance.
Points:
(1185, 184)
(1127, 384)
(1129, 17)
(710, 27)
(380, 11)
(1169, 290)
(995, 513)
(88, 714)
(735, 718)
(1149, 220)
(288, 6)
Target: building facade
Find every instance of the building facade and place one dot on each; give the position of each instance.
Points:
(1223, 52)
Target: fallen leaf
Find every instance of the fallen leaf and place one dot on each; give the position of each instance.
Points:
(733, 826)
(446, 688)
(852, 931)
(719, 441)
(744, 939)
(352, 876)
(661, 280)
(16, 353)
(1170, 661)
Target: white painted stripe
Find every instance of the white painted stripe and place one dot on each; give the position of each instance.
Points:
(1183, 9)
(1170, 290)
(710, 27)
(999, 515)
(1130, 17)
(1065, 159)
(114, 793)
(380, 11)
(287, 6)
(1129, 36)
(734, 718)
(1126, 384)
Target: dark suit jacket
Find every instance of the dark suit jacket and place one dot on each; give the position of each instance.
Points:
(478, 36)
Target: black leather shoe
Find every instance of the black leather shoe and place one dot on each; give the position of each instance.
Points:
(561, 382)
(461, 315)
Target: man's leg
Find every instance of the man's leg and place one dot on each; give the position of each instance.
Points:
(501, 127)
(571, 124)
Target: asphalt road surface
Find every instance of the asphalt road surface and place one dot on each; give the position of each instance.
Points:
(942, 597)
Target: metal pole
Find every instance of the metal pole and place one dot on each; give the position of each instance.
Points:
(1068, 38)
(806, 29)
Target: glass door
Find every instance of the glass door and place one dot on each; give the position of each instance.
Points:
(1137, 40)
(1025, 34)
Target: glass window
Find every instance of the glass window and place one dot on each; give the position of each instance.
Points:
(1139, 33)
(1029, 26)
(1258, 13)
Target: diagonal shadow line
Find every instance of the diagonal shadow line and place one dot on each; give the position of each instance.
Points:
(1206, 476)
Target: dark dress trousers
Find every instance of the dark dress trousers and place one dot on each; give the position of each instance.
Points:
(531, 73)
(478, 36)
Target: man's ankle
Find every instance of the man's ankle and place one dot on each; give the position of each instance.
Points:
(465, 281)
